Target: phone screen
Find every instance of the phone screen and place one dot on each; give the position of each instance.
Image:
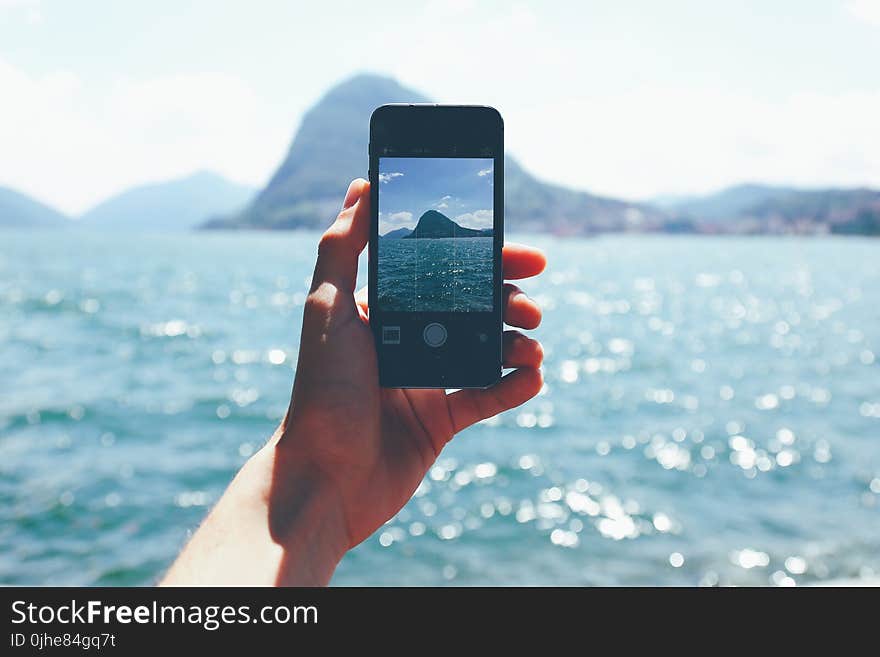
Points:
(435, 248)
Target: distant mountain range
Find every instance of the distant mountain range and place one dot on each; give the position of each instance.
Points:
(179, 204)
(396, 234)
(20, 211)
(758, 209)
(433, 225)
(726, 203)
(330, 149)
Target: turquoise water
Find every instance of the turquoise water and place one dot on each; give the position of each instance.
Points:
(438, 275)
(711, 414)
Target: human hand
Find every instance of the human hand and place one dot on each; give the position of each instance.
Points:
(350, 454)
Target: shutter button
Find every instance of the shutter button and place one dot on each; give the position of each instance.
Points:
(434, 335)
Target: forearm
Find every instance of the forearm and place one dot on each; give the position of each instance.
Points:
(277, 524)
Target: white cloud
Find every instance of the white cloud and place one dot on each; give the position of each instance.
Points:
(865, 10)
(484, 172)
(388, 177)
(442, 205)
(652, 140)
(448, 8)
(71, 148)
(394, 221)
(400, 217)
(476, 219)
(19, 4)
(641, 138)
(30, 10)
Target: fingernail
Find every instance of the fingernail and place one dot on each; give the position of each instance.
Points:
(352, 195)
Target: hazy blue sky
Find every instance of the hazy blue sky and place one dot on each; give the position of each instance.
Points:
(630, 98)
(460, 188)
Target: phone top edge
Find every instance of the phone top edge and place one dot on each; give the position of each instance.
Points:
(440, 106)
(477, 105)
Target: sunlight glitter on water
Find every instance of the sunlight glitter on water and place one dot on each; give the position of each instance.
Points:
(707, 418)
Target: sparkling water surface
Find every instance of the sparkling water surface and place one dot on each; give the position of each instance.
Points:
(451, 274)
(711, 413)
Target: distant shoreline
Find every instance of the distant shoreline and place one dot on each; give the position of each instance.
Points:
(317, 231)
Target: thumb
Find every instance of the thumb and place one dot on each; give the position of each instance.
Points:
(342, 243)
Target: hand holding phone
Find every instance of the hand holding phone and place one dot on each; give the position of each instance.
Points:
(348, 454)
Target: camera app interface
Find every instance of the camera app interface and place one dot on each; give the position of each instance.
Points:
(436, 220)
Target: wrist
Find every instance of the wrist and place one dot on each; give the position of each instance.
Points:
(305, 517)
(278, 524)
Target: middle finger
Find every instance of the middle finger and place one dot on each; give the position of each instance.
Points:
(519, 309)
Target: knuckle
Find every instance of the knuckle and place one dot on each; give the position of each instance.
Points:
(331, 241)
(321, 299)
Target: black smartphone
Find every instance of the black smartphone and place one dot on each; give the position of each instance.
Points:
(436, 234)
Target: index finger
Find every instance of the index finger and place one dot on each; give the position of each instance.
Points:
(521, 261)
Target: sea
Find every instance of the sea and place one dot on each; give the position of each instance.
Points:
(711, 413)
(450, 274)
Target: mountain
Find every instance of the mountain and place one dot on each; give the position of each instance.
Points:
(865, 222)
(178, 204)
(837, 210)
(534, 205)
(20, 211)
(435, 224)
(766, 209)
(330, 149)
(396, 234)
(729, 202)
